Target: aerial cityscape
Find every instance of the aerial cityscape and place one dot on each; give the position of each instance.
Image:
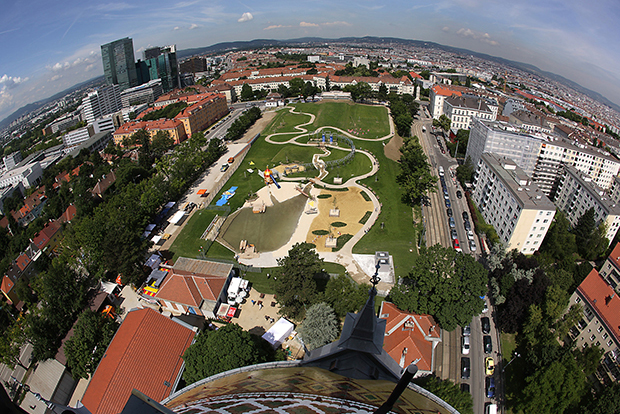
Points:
(401, 208)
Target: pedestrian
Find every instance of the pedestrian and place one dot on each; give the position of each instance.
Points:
(253, 302)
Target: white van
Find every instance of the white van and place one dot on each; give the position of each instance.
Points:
(491, 409)
(440, 171)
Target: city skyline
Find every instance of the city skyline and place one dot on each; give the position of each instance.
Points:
(51, 48)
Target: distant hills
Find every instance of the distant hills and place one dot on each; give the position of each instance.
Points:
(309, 41)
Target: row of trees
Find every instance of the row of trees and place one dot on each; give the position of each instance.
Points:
(415, 176)
(403, 109)
(243, 123)
(445, 284)
(442, 122)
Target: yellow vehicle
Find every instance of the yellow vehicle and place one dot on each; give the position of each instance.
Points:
(489, 366)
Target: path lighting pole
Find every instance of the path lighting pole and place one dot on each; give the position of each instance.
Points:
(515, 356)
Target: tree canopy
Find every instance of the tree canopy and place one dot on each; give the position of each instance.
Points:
(224, 349)
(319, 327)
(344, 295)
(415, 175)
(445, 284)
(295, 286)
(449, 392)
(93, 333)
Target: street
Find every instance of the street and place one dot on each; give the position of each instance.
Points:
(438, 231)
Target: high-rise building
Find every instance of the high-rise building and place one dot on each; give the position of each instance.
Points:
(103, 101)
(119, 63)
(514, 205)
(162, 64)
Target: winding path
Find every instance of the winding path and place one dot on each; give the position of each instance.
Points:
(345, 255)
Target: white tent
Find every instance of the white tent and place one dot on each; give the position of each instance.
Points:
(177, 217)
(278, 332)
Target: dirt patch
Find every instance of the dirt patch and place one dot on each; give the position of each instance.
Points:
(258, 126)
(352, 208)
(392, 148)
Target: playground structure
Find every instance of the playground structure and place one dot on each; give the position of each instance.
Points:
(270, 177)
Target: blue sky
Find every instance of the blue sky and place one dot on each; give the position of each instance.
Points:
(49, 46)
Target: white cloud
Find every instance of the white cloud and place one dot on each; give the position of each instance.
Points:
(482, 37)
(245, 17)
(193, 26)
(10, 82)
(55, 77)
(176, 28)
(306, 24)
(338, 23)
(446, 29)
(275, 26)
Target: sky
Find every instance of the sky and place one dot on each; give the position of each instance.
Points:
(49, 46)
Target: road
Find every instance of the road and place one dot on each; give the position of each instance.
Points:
(438, 232)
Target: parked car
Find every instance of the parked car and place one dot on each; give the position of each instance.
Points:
(451, 222)
(459, 194)
(490, 387)
(453, 234)
(224, 167)
(472, 245)
(465, 345)
(467, 225)
(456, 245)
(465, 215)
(449, 212)
(486, 325)
(470, 235)
(489, 366)
(466, 330)
(448, 205)
(488, 344)
(465, 368)
(486, 307)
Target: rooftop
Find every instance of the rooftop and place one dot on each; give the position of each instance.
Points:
(604, 300)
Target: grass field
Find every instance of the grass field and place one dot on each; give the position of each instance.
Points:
(372, 120)
(358, 166)
(188, 243)
(399, 234)
(285, 122)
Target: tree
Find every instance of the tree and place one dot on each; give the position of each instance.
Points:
(319, 327)
(465, 172)
(247, 94)
(590, 239)
(559, 242)
(605, 401)
(162, 142)
(449, 392)
(227, 348)
(93, 333)
(295, 286)
(383, 92)
(415, 175)
(295, 86)
(344, 295)
(443, 122)
(444, 284)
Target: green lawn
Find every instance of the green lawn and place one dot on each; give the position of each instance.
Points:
(188, 243)
(509, 344)
(371, 120)
(285, 121)
(399, 234)
(358, 166)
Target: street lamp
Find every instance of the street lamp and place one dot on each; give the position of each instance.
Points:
(515, 356)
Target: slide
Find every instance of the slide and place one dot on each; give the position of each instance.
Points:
(275, 182)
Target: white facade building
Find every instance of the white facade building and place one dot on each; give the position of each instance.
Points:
(142, 94)
(461, 110)
(512, 105)
(103, 101)
(75, 137)
(577, 193)
(10, 161)
(504, 140)
(28, 175)
(514, 205)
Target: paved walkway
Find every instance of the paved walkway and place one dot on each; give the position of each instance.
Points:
(343, 257)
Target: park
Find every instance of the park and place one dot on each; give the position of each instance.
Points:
(337, 191)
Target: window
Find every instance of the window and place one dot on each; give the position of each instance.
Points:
(600, 329)
(609, 342)
(577, 299)
(592, 337)
(605, 335)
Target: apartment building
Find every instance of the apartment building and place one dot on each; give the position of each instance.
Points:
(146, 93)
(204, 113)
(530, 122)
(104, 101)
(504, 140)
(554, 154)
(438, 95)
(76, 137)
(577, 193)
(28, 175)
(514, 205)
(461, 109)
(610, 271)
(173, 127)
(600, 325)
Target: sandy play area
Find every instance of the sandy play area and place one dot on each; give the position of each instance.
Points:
(352, 208)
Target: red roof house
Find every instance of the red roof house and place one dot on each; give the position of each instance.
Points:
(145, 354)
(409, 337)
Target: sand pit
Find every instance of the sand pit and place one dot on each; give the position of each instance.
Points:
(352, 208)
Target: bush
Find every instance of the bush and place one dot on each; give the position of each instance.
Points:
(364, 219)
(324, 196)
(320, 232)
(338, 224)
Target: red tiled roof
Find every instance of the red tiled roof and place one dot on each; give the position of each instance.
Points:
(7, 284)
(187, 289)
(615, 255)
(604, 300)
(445, 91)
(42, 238)
(68, 215)
(22, 261)
(145, 354)
(407, 331)
(4, 223)
(415, 75)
